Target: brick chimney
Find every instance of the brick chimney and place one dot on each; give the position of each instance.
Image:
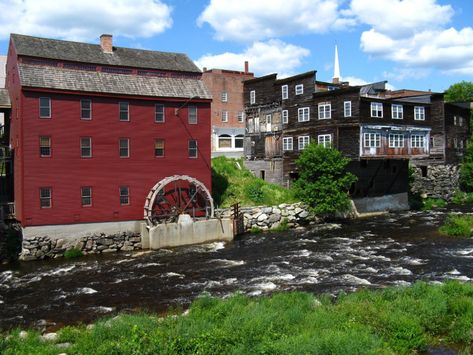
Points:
(106, 43)
(246, 67)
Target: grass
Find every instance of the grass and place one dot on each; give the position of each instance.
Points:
(389, 321)
(73, 253)
(282, 227)
(232, 182)
(458, 226)
(431, 203)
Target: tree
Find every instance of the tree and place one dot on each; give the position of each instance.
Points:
(323, 182)
(462, 91)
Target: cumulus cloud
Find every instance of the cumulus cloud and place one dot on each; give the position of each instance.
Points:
(273, 56)
(249, 20)
(84, 19)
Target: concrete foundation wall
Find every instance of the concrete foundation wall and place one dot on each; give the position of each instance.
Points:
(395, 202)
(273, 169)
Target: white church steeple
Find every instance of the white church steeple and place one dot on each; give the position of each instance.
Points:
(336, 68)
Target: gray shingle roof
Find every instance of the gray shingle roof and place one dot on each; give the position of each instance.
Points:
(92, 53)
(90, 81)
(4, 98)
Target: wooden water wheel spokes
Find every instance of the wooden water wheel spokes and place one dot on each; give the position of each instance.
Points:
(176, 195)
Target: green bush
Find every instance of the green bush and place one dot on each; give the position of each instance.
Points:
(256, 230)
(73, 253)
(458, 226)
(254, 192)
(459, 198)
(323, 182)
(431, 203)
(466, 176)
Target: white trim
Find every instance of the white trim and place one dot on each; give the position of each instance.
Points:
(284, 92)
(299, 89)
(303, 114)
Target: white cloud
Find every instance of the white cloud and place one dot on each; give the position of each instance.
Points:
(249, 20)
(84, 19)
(355, 81)
(273, 56)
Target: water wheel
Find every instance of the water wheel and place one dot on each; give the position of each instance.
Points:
(176, 195)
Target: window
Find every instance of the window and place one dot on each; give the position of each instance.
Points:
(419, 113)
(284, 92)
(372, 140)
(85, 109)
(347, 109)
(325, 140)
(455, 142)
(397, 112)
(252, 97)
(124, 195)
(239, 141)
(303, 141)
(376, 109)
(124, 147)
(396, 140)
(45, 146)
(303, 114)
(159, 113)
(417, 141)
(192, 148)
(224, 141)
(45, 197)
(241, 116)
(124, 114)
(224, 116)
(268, 118)
(299, 89)
(86, 147)
(325, 111)
(285, 116)
(159, 148)
(86, 195)
(224, 96)
(192, 115)
(457, 121)
(287, 143)
(45, 107)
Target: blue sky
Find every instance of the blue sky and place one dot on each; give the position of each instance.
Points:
(417, 44)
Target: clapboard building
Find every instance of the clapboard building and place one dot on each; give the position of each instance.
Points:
(94, 127)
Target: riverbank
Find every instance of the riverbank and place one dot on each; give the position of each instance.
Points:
(393, 320)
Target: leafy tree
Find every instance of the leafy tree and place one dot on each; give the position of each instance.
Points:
(323, 182)
(462, 91)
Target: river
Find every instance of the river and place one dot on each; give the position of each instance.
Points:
(395, 249)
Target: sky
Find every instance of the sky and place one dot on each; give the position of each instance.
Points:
(414, 44)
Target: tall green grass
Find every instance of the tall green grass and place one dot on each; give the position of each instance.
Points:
(458, 226)
(389, 321)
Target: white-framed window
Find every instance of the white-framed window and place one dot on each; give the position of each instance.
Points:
(124, 114)
(192, 114)
(124, 193)
(239, 140)
(285, 116)
(284, 92)
(347, 109)
(86, 147)
(419, 113)
(224, 96)
(457, 121)
(45, 107)
(224, 116)
(397, 111)
(376, 109)
(159, 147)
(372, 140)
(325, 140)
(86, 109)
(124, 147)
(325, 111)
(252, 97)
(299, 89)
(224, 141)
(287, 143)
(417, 141)
(86, 196)
(241, 116)
(159, 113)
(44, 146)
(303, 141)
(303, 114)
(192, 148)
(45, 197)
(396, 140)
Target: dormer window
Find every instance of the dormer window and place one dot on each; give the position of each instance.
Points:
(299, 89)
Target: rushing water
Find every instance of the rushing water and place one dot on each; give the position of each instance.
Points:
(396, 249)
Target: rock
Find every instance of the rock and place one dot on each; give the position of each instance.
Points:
(262, 217)
(127, 248)
(298, 210)
(138, 246)
(109, 250)
(23, 334)
(79, 245)
(276, 210)
(275, 217)
(101, 247)
(90, 326)
(59, 243)
(63, 345)
(105, 241)
(135, 239)
(49, 337)
(89, 244)
(303, 214)
(267, 210)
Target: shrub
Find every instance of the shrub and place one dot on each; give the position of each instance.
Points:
(466, 176)
(256, 230)
(73, 253)
(323, 182)
(431, 203)
(458, 226)
(254, 191)
(459, 198)
(282, 227)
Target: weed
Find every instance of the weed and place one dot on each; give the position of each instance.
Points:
(282, 227)
(256, 230)
(458, 226)
(431, 203)
(459, 197)
(73, 253)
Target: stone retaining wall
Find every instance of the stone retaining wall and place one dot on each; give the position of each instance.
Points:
(41, 247)
(441, 181)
